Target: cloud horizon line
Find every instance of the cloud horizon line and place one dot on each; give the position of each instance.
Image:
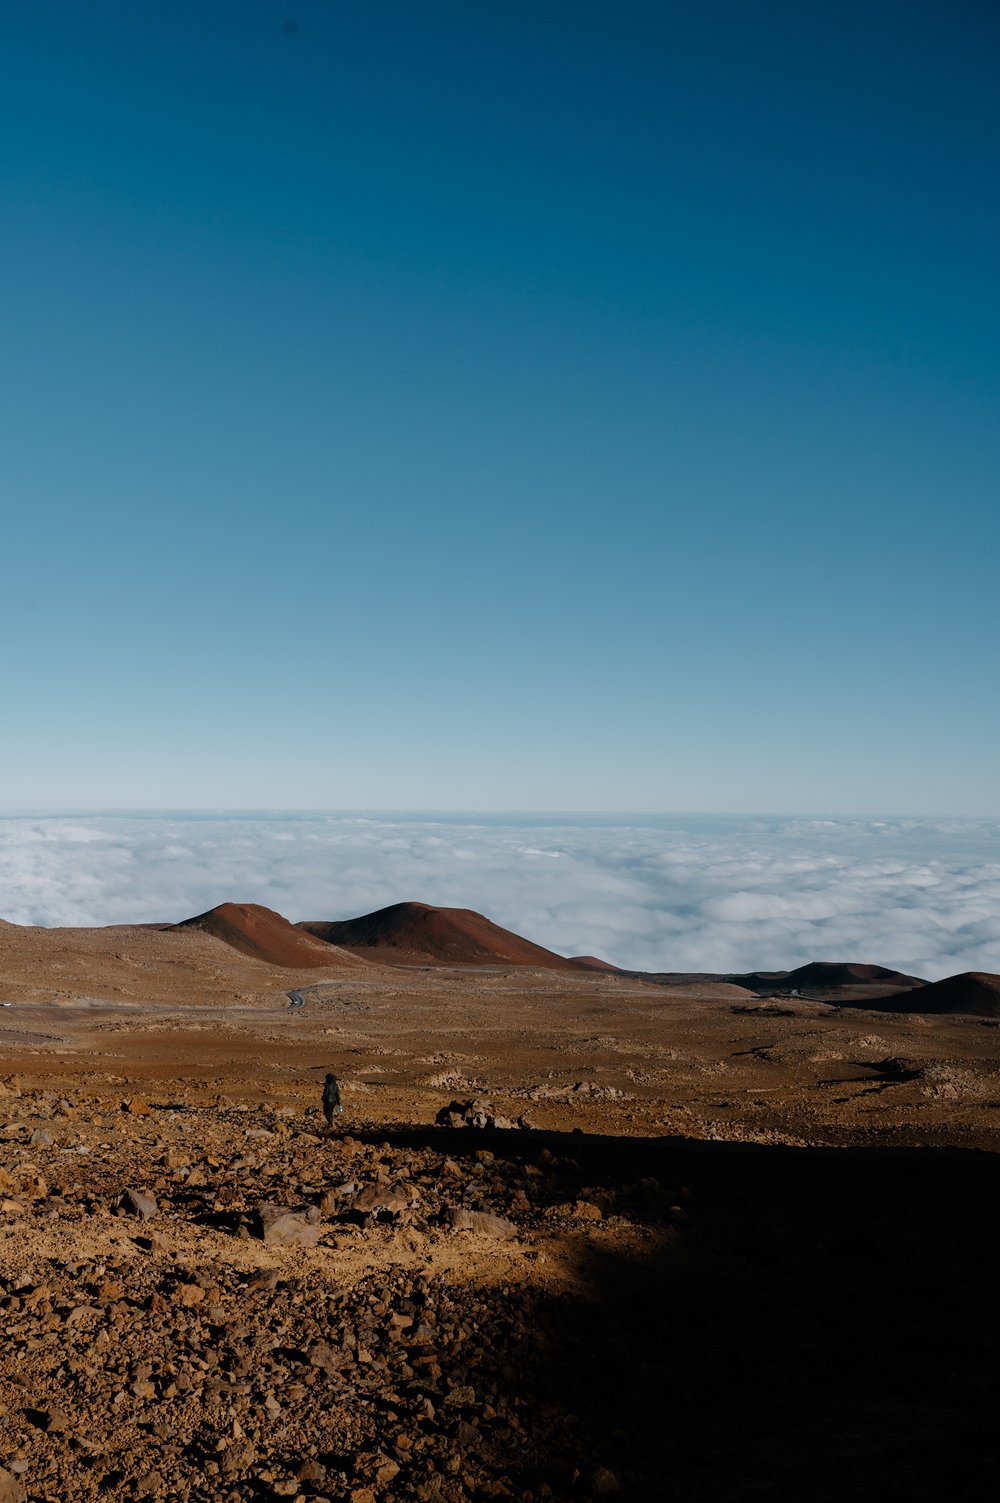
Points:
(719, 894)
(466, 812)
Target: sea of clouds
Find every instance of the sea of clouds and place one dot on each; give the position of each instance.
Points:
(656, 893)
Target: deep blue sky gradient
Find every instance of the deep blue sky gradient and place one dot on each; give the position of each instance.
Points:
(500, 405)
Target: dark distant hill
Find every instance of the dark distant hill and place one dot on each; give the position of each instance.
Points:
(826, 975)
(418, 934)
(973, 992)
(264, 935)
(848, 982)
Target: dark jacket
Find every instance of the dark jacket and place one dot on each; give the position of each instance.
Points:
(331, 1093)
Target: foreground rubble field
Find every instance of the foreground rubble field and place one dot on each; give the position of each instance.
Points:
(207, 1301)
(739, 1250)
(203, 1302)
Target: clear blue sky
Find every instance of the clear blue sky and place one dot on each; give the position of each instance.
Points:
(501, 405)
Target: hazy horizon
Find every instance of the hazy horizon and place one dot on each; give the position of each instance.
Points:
(686, 893)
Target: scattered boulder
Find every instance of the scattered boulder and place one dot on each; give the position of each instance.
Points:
(327, 1359)
(474, 1113)
(53, 1421)
(585, 1210)
(333, 1200)
(11, 1490)
(262, 1280)
(582, 1090)
(484, 1222)
(307, 1471)
(42, 1137)
(236, 1458)
(375, 1198)
(141, 1203)
(284, 1226)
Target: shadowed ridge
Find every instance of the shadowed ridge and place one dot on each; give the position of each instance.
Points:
(265, 935)
(827, 976)
(848, 982)
(973, 992)
(820, 973)
(416, 933)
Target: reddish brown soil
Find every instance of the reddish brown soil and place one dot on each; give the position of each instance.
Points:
(695, 1248)
(265, 935)
(593, 963)
(415, 933)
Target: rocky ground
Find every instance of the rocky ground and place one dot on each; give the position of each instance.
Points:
(739, 1251)
(203, 1302)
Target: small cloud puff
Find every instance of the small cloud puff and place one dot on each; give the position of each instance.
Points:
(656, 894)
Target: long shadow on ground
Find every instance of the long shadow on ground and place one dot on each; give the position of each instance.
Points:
(819, 1324)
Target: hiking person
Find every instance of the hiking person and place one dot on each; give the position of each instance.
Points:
(331, 1099)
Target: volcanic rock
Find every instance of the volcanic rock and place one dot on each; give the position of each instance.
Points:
(461, 1220)
(283, 1226)
(477, 1114)
(393, 1197)
(327, 1359)
(54, 1420)
(236, 1458)
(11, 1490)
(141, 1203)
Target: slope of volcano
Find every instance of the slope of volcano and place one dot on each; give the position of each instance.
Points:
(973, 992)
(265, 935)
(850, 982)
(418, 934)
(831, 978)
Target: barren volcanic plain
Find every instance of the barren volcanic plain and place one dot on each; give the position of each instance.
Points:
(578, 1233)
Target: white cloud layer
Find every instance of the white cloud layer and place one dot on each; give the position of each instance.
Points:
(655, 894)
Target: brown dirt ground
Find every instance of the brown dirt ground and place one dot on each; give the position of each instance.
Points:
(750, 1251)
